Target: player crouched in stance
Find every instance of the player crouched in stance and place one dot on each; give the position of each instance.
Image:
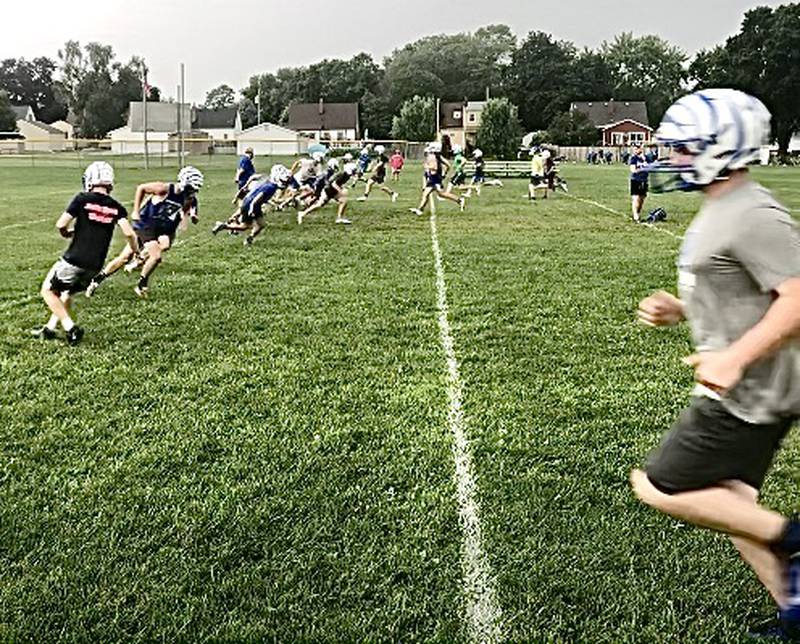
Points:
(378, 176)
(739, 287)
(250, 215)
(335, 190)
(435, 169)
(159, 208)
(95, 214)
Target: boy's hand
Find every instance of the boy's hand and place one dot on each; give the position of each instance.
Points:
(720, 371)
(660, 309)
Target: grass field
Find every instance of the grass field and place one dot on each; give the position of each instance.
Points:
(261, 450)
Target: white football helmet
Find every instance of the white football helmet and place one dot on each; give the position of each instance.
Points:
(318, 156)
(379, 149)
(333, 164)
(436, 147)
(98, 173)
(719, 130)
(350, 168)
(280, 174)
(190, 177)
(456, 149)
(477, 153)
(348, 157)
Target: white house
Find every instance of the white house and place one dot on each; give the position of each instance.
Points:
(67, 128)
(41, 137)
(162, 120)
(223, 124)
(326, 121)
(271, 139)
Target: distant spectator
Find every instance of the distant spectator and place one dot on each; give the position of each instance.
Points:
(651, 156)
(625, 156)
(609, 157)
(589, 154)
(396, 162)
(638, 182)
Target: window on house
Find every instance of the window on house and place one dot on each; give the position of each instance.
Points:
(457, 114)
(472, 118)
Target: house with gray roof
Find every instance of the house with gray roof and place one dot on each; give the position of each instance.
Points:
(621, 123)
(326, 121)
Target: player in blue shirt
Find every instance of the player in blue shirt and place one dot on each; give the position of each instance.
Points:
(244, 171)
(637, 164)
(250, 215)
(159, 209)
(435, 170)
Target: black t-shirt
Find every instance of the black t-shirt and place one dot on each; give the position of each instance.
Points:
(95, 216)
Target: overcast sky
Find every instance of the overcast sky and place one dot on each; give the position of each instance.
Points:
(226, 41)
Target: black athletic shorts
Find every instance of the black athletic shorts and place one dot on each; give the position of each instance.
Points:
(537, 179)
(66, 277)
(638, 188)
(708, 445)
(458, 178)
(152, 233)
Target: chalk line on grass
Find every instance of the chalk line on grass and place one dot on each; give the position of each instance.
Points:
(597, 204)
(23, 224)
(483, 611)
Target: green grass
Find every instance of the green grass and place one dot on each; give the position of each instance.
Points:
(260, 451)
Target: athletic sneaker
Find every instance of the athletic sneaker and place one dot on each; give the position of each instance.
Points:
(141, 291)
(93, 286)
(342, 220)
(74, 335)
(248, 241)
(461, 204)
(44, 333)
(300, 216)
(416, 211)
(362, 198)
(220, 225)
(132, 265)
(394, 197)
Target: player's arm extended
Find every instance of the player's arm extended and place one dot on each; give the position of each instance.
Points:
(154, 188)
(130, 236)
(63, 223)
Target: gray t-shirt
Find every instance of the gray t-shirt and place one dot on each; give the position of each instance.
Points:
(737, 251)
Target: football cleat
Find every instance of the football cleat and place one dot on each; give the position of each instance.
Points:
(220, 225)
(394, 197)
(140, 291)
(93, 286)
(44, 333)
(74, 335)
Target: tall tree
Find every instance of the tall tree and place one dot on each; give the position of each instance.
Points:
(416, 120)
(763, 59)
(451, 67)
(646, 68)
(31, 83)
(572, 128)
(539, 79)
(499, 132)
(8, 120)
(220, 97)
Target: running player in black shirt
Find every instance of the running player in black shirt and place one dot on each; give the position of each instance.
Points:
(336, 191)
(378, 176)
(156, 223)
(95, 215)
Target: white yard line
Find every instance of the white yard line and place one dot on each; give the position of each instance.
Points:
(597, 204)
(483, 611)
(23, 224)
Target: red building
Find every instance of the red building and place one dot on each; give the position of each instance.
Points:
(621, 123)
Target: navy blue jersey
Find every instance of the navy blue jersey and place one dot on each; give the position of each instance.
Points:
(266, 191)
(247, 168)
(166, 214)
(636, 162)
(363, 160)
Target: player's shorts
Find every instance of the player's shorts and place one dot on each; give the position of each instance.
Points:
(458, 178)
(378, 178)
(152, 233)
(331, 193)
(248, 215)
(434, 181)
(478, 177)
(708, 445)
(537, 179)
(638, 188)
(66, 277)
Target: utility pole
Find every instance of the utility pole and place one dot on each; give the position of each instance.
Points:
(144, 116)
(183, 101)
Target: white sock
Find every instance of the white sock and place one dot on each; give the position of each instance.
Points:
(52, 323)
(67, 323)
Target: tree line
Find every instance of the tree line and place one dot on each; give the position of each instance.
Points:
(538, 76)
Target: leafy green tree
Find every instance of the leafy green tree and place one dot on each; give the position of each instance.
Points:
(8, 120)
(646, 68)
(220, 97)
(572, 128)
(763, 59)
(540, 79)
(499, 132)
(590, 78)
(31, 83)
(416, 120)
(450, 67)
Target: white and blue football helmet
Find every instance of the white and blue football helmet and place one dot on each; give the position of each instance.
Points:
(719, 130)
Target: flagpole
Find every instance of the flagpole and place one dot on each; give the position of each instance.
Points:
(144, 116)
(258, 99)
